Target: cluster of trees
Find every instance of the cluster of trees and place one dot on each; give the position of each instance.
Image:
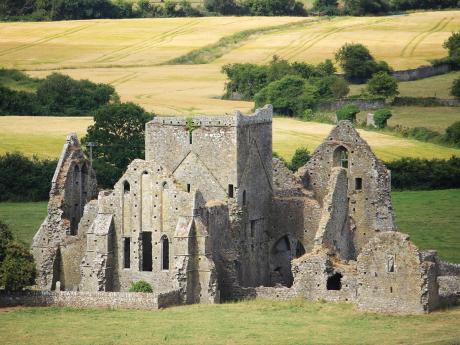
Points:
(363, 7)
(58, 94)
(289, 87)
(17, 267)
(88, 9)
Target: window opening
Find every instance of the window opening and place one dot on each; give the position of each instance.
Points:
(334, 282)
(165, 253)
(146, 251)
(127, 253)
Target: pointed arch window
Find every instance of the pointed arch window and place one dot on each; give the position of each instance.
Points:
(341, 157)
(126, 187)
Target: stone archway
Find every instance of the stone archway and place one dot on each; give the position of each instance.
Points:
(283, 251)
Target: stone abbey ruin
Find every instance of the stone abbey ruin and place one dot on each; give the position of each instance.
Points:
(212, 215)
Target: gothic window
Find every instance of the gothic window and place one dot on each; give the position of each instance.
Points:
(358, 183)
(390, 263)
(230, 191)
(341, 157)
(164, 253)
(126, 187)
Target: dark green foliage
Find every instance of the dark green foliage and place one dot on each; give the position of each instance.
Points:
(118, 132)
(17, 267)
(6, 236)
(381, 117)
(59, 93)
(17, 270)
(347, 112)
(245, 80)
(25, 179)
(289, 96)
(362, 7)
(453, 133)
(452, 44)
(299, 159)
(455, 90)
(272, 8)
(382, 84)
(330, 87)
(413, 173)
(327, 7)
(224, 7)
(141, 286)
(358, 64)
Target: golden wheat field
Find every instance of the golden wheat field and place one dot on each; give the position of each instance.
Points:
(45, 136)
(131, 54)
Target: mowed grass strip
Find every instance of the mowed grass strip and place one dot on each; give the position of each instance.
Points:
(44, 137)
(249, 323)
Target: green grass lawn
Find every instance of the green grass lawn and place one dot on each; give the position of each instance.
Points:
(431, 218)
(251, 322)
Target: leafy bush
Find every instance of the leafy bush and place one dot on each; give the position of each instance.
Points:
(14, 102)
(413, 173)
(347, 112)
(453, 133)
(224, 7)
(382, 84)
(244, 79)
(362, 7)
(327, 7)
(299, 159)
(118, 132)
(141, 286)
(272, 8)
(381, 116)
(17, 267)
(25, 179)
(289, 96)
(452, 44)
(358, 64)
(455, 89)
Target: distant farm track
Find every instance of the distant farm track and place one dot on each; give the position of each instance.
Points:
(145, 58)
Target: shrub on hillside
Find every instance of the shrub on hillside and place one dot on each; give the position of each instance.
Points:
(452, 44)
(17, 267)
(455, 89)
(382, 84)
(326, 7)
(347, 112)
(25, 179)
(141, 286)
(453, 133)
(289, 96)
(358, 64)
(272, 8)
(224, 7)
(381, 117)
(14, 102)
(362, 7)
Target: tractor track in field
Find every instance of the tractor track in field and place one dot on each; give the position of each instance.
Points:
(45, 39)
(417, 39)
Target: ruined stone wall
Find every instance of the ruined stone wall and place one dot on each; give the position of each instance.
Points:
(393, 278)
(85, 299)
(57, 244)
(370, 208)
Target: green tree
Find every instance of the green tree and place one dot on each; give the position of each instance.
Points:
(118, 132)
(381, 117)
(382, 84)
(299, 159)
(452, 44)
(453, 133)
(17, 267)
(289, 96)
(362, 7)
(358, 64)
(221, 6)
(455, 89)
(347, 112)
(328, 7)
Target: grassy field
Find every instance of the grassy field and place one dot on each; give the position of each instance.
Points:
(437, 86)
(44, 136)
(432, 218)
(129, 53)
(249, 323)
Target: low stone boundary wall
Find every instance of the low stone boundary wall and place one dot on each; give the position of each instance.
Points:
(363, 104)
(421, 72)
(84, 299)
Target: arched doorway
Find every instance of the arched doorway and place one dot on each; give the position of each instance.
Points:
(282, 253)
(340, 157)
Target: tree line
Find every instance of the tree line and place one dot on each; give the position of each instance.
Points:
(93, 9)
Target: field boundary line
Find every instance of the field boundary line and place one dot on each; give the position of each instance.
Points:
(413, 39)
